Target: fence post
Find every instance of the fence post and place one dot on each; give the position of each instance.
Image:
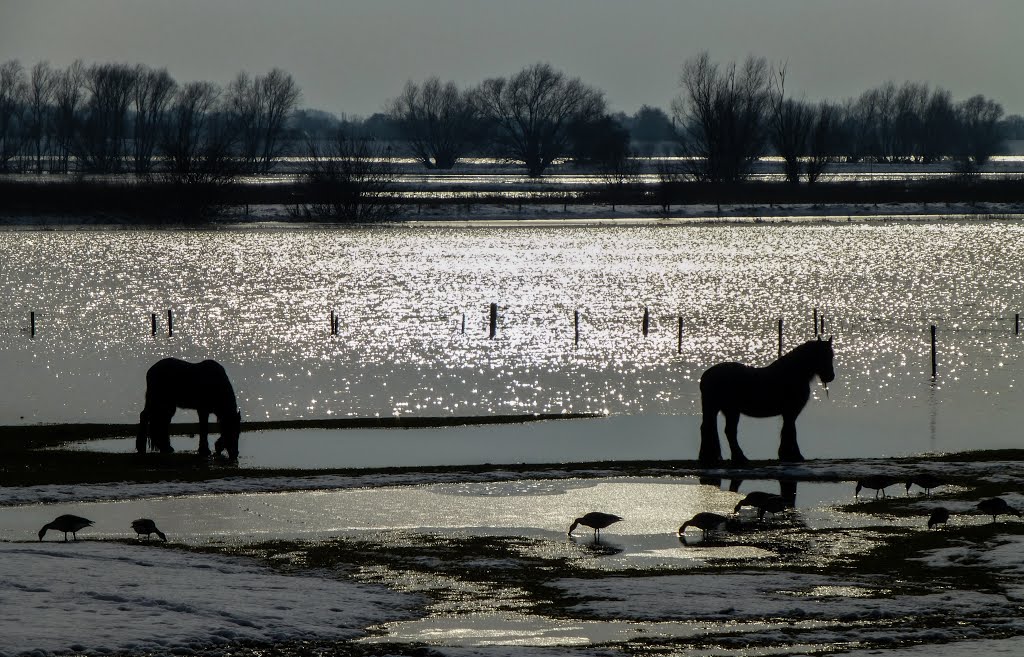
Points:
(1016, 324)
(494, 320)
(170, 323)
(152, 324)
(780, 337)
(934, 360)
(679, 343)
(576, 327)
(647, 321)
(816, 322)
(32, 323)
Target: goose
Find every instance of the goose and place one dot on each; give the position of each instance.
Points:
(595, 520)
(996, 506)
(763, 502)
(147, 527)
(877, 483)
(66, 523)
(704, 521)
(939, 516)
(925, 481)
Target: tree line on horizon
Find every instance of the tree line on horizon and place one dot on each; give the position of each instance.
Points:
(119, 118)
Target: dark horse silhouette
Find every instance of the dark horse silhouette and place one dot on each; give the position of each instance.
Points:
(781, 388)
(172, 384)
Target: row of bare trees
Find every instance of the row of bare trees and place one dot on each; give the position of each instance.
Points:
(730, 116)
(108, 118)
(527, 117)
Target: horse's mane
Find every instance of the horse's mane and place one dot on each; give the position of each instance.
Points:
(803, 354)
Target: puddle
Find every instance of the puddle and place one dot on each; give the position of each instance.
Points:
(488, 629)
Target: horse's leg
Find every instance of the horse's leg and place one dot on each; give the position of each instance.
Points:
(732, 422)
(204, 428)
(788, 448)
(160, 429)
(710, 448)
(140, 438)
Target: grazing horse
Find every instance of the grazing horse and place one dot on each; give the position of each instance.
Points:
(172, 384)
(781, 388)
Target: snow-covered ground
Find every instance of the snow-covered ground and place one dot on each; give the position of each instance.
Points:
(100, 597)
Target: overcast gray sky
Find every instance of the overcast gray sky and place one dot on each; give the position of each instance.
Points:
(351, 56)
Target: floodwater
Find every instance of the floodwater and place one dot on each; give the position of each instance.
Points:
(260, 302)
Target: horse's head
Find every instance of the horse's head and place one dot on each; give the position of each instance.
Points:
(824, 356)
(230, 430)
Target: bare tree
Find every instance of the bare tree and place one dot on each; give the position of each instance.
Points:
(13, 92)
(531, 113)
(722, 113)
(979, 125)
(823, 140)
(101, 139)
(188, 138)
(938, 126)
(259, 108)
(40, 101)
(67, 97)
(789, 124)
(350, 179)
(153, 92)
(436, 119)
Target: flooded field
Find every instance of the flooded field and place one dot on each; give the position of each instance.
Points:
(449, 550)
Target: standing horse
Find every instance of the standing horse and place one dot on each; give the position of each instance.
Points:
(172, 384)
(781, 388)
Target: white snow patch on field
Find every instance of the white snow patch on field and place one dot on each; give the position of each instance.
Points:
(102, 597)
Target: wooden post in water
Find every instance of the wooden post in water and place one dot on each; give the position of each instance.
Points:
(494, 320)
(647, 321)
(780, 337)
(576, 326)
(816, 323)
(32, 323)
(152, 324)
(822, 324)
(934, 360)
(463, 323)
(334, 322)
(679, 343)
(170, 323)
(1016, 324)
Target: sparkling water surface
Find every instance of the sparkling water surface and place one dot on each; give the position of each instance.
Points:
(260, 300)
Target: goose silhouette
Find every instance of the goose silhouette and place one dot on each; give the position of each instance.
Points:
(147, 527)
(596, 520)
(939, 516)
(877, 483)
(66, 523)
(705, 521)
(763, 502)
(996, 506)
(926, 481)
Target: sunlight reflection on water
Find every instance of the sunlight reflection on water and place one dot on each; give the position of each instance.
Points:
(260, 301)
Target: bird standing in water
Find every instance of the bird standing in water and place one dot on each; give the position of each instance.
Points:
(705, 521)
(595, 520)
(940, 515)
(66, 523)
(147, 527)
(877, 483)
(925, 481)
(996, 506)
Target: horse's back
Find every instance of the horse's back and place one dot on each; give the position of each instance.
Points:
(735, 387)
(190, 385)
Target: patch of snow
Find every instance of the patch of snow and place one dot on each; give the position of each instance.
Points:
(101, 597)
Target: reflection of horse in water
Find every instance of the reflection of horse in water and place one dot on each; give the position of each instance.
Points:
(781, 388)
(173, 384)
